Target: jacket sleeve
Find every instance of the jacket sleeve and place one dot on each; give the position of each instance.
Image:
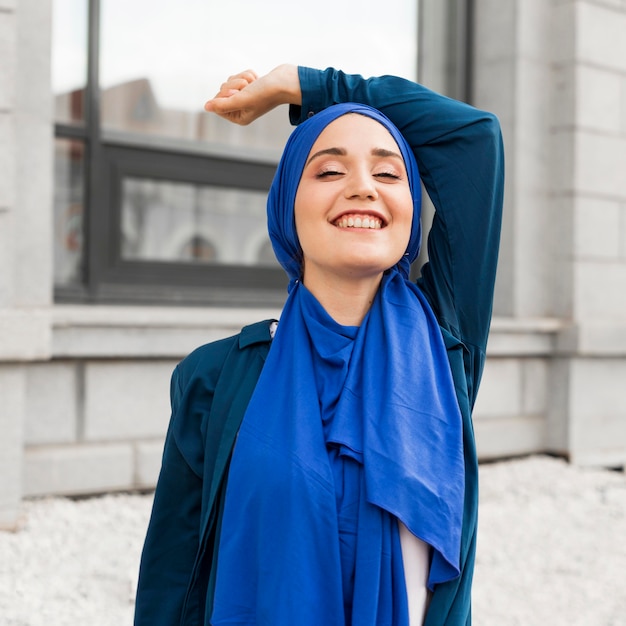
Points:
(172, 538)
(460, 157)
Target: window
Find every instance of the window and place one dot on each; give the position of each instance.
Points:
(155, 200)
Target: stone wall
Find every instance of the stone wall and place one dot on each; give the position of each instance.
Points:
(84, 389)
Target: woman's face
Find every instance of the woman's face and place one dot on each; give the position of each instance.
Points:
(353, 207)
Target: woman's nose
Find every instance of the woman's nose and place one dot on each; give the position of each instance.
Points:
(361, 184)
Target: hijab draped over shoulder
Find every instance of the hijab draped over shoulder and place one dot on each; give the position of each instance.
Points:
(349, 430)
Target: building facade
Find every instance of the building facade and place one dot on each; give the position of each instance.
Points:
(132, 231)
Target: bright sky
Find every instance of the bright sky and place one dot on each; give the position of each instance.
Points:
(187, 48)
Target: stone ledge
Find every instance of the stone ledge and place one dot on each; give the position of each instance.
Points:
(172, 332)
(24, 335)
(523, 337)
(145, 332)
(155, 332)
(593, 339)
(510, 436)
(148, 458)
(77, 470)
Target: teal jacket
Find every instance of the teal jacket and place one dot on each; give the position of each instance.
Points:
(460, 156)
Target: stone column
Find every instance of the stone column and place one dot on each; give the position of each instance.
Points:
(555, 73)
(25, 224)
(589, 186)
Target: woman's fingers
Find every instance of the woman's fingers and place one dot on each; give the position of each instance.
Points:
(244, 97)
(237, 82)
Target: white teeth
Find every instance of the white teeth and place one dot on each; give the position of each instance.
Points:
(359, 222)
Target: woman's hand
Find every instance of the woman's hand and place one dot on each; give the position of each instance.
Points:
(245, 97)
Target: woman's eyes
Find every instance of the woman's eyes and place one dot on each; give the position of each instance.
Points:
(392, 175)
(329, 173)
(383, 174)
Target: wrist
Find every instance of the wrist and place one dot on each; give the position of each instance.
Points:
(288, 84)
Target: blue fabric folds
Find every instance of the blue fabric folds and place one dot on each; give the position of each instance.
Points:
(348, 430)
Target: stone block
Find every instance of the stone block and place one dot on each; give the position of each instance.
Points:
(563, 33)
(148, 456)
(75, 470)
(600, 164)
(33, 221)
(7, 162)
(600, 35)
(510, 436)
(535, 377)
(12, 389)
(533, 29)
(563, 108)
(562, 144)
(7, 243)
(494, 90)
(598, 411)
(500, 392)
(495, 30)
(600, 293)
(515, 337)
(24, 334)
(561, 210)
(603, 338)
(598, 99)
(127, 400)
(51, 414)
(8, 54)
(623, 231)
(34, 43)
(623, 101)
(597, 229)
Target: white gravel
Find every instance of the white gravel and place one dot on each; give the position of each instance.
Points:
(552, 551)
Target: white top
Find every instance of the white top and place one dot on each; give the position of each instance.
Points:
(416, 559)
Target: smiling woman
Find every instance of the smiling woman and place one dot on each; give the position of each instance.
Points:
(323, 470)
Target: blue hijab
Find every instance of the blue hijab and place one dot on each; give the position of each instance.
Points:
(349, 430)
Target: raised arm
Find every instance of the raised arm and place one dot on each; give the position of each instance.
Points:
(460, 155)
(461, 159)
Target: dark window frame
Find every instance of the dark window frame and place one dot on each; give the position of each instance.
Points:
(105, 276)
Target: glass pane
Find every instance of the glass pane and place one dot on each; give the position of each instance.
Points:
(181, 222)
(69, 172)
(156, 78)
(69, 59)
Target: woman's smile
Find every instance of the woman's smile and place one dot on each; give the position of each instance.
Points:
(358, 220)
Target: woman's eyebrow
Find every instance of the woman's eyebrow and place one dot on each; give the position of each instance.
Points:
(383, 152)
(333, 151)
(379, 152)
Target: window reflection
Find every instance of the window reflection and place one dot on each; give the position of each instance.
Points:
(69, 59)
(69, 171)
(181, 222)
(156, 78)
